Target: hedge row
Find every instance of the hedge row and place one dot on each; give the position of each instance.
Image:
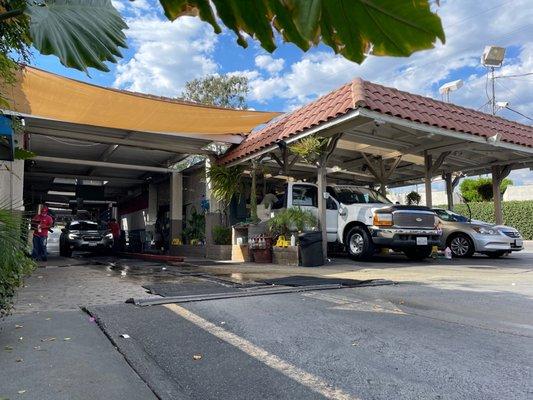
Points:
(518, 214)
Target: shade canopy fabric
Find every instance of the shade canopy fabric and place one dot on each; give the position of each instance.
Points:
(45, 95)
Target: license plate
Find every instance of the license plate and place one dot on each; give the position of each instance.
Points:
(92, 244)
(518, 242)
(421, 241)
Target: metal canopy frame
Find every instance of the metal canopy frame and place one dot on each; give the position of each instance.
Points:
(123, 159)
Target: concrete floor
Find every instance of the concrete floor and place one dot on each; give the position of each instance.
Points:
(450, 329)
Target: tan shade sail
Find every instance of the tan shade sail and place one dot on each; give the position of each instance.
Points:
(45, 95)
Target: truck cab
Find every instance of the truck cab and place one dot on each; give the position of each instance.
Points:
(363, 220)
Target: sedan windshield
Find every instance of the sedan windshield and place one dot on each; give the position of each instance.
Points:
(451, 216)
(357, 195)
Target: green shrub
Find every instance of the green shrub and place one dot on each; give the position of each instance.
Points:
(222, 235)
(194, 232)
(480, 189)
(518, 214)
(14, 261)
(290, 220)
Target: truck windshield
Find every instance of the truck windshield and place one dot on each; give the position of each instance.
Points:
(355, 195)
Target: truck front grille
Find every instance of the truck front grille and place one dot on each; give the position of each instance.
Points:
(407, 219)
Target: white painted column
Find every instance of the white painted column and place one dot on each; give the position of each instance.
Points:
(176, 206)
(12, 181)
(152, 209)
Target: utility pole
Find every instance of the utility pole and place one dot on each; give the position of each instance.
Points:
(493, 99)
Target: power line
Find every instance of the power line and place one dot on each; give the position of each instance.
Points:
(513, 76)
(519, 113)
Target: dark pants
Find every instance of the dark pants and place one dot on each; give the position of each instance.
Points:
(39, 248)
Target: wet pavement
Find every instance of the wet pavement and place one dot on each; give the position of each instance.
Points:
(450, 329)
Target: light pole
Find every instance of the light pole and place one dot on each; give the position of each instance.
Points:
(492, 58)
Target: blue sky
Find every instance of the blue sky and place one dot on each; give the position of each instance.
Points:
(162, 56)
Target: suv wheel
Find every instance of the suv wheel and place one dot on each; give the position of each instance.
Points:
(359, 243)
(418, 253)
(461, 246)
(64, 250)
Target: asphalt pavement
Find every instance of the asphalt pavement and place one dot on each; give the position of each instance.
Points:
(449, 329)
(408, 341)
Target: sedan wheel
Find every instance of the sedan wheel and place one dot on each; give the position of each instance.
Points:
(461, 246)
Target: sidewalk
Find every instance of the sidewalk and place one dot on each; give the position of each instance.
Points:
(51, 349)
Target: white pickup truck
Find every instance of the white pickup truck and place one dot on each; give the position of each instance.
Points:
(363, 220)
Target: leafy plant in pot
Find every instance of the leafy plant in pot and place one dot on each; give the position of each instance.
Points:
(292, 220)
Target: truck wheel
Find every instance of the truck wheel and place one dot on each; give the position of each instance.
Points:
(461, 246)
(418, 253)
(359, 243)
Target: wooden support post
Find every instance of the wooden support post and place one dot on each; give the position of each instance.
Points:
(428, 163)
(449, 189)
(321, 182)
(499, 173)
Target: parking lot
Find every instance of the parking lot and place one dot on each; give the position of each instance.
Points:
(417, 338)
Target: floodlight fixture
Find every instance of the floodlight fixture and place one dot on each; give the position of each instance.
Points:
(451, 86)
(502, 104)
(493, 56)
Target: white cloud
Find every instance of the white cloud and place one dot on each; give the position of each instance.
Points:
(167, 54)
(270, 64)
(468, 26)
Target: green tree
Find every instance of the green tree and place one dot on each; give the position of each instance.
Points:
(480, 189)
(228, 91)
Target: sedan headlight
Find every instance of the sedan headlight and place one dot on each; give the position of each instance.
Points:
(485, 231)
(109, 236)
(382, 219)
(73, 236)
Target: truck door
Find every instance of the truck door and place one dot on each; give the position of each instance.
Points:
(305, 196)
(332, 219)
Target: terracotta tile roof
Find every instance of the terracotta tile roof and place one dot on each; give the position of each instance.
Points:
(385, 100)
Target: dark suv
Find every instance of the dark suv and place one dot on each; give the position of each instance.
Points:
(85, 236)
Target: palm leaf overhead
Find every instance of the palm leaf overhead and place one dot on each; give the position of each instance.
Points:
(82, 33)
(350, 27)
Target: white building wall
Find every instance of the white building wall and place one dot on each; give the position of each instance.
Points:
(518, 193)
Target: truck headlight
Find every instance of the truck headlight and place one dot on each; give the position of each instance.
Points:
(73, 236)
(485, 231)
(109, 236)
(382, 219)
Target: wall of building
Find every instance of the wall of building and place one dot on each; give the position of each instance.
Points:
(518, 193)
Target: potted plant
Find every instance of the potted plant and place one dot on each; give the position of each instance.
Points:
(221, 247)
(284, 224)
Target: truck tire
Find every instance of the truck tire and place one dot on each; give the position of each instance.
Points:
(461, 245)
(359, 243)
(418, 253)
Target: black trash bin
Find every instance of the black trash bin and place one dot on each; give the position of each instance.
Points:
(311, 249)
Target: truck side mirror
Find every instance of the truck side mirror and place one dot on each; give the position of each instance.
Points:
(326, 195)
(63, 230)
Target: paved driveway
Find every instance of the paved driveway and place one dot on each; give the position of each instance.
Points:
(448, 330)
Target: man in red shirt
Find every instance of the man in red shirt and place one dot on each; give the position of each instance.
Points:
(41, 223)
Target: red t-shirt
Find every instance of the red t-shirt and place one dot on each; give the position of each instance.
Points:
(114, 227)
(43, 222)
